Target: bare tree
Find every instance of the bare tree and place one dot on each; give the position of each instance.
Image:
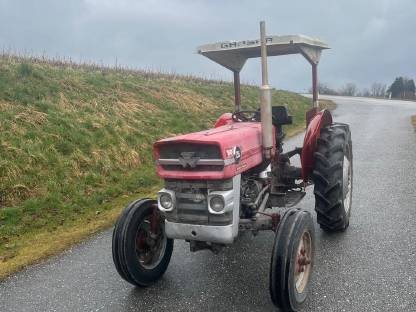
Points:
(365, 92)
(350, 89)
(378, 89)
(323, 88)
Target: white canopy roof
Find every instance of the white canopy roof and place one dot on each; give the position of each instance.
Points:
(234, 54)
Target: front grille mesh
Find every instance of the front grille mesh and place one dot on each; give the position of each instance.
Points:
(192, 202)
(203, 151)
(177, 151)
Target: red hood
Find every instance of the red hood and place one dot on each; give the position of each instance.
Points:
(246, 136)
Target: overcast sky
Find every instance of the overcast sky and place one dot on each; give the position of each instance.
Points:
(371, 40)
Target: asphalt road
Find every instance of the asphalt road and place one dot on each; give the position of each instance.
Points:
(371, 267)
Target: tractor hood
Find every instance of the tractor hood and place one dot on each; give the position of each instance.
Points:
(218, 153)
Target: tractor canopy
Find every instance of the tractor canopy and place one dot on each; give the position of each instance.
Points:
(234, 54)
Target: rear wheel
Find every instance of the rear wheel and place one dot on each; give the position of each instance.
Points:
(141, 250)
(292, 260)
(332, 177)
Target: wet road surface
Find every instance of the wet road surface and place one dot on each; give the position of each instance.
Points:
(370, 267)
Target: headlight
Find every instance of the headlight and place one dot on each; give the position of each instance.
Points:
(217, 203)
(166, 201)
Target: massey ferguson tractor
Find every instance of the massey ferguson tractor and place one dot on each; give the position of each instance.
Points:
(235, 178)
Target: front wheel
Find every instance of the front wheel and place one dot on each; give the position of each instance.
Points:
(292, 260)
(141, 250)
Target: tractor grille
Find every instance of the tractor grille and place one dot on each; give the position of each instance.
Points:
(192, 202)
(191, 209)
(174, 151)
(190, 157)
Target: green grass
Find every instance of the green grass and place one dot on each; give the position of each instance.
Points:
(74, 138)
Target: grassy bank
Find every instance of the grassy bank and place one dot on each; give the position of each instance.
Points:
(76, 145)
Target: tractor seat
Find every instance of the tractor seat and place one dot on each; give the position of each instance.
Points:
(280, 116)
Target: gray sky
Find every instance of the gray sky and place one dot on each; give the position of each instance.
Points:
(371, 40)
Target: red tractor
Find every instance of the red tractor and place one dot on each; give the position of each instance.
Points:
(235, 177)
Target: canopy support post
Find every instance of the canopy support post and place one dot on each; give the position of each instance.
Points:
(265, 98)
(315, 85)
(313, 56)
(237, 91)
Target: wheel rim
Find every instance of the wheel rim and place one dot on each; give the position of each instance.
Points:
(303, 262)
(347, 184)
(150, 247)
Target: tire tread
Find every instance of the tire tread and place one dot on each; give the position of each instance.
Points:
(327, 176)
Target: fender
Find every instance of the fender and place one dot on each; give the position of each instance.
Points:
(320, 120)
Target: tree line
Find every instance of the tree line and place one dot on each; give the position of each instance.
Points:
(401, 88)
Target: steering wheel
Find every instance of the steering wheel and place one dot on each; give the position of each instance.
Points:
(244, 116)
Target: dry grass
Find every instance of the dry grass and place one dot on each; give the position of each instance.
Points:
(327, 104)
(413, 121)
(68, 63)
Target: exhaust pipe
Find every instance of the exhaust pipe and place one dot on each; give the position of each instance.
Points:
(265, 98)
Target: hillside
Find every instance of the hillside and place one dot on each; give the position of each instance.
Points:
(75, 138)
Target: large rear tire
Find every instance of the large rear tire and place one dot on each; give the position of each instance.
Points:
(141, 250)
(292, 260)
(332, 177)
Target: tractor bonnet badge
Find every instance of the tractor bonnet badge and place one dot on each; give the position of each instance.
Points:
(234, 152)
(237, 154)
(188, 159)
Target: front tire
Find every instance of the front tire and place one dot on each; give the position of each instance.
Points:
(332, 177)
(292, 260)
(141, 250)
